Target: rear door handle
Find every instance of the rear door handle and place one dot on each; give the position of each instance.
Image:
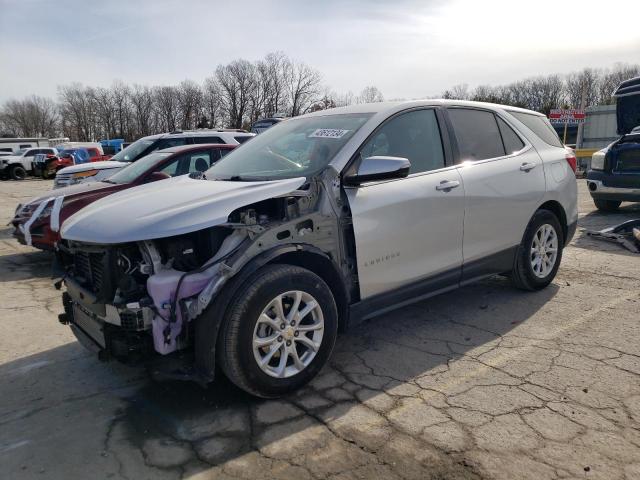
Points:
(525, 167)
(447, 185)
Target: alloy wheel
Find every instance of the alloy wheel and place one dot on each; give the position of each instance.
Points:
(288, 334)
(544, 250)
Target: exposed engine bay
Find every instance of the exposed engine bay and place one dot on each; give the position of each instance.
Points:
(134, 299)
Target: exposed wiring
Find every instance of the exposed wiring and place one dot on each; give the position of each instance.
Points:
(174, 301)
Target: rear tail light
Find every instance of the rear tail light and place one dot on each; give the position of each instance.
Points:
(572, 161)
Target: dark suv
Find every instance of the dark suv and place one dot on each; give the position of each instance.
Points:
(614, 176)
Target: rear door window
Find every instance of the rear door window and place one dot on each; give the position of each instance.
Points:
(199, 162)
(540, 126)
(512, 142)
(190, 162)
(413, 135)
(477, 134)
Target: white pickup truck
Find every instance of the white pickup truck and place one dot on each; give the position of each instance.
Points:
(17, 166)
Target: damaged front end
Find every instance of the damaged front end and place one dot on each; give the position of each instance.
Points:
(141, 301)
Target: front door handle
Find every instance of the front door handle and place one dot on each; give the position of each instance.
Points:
(447, 185)
(525, 167)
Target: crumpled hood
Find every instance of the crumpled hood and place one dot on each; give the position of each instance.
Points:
(83, 167)
(170, 207)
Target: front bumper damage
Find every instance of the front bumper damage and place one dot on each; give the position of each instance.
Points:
(161, 323)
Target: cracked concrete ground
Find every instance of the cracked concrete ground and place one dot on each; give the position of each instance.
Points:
(483, 383)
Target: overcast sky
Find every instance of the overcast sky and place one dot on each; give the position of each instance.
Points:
(407, 48)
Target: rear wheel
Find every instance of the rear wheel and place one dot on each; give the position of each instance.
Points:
(17, 172)
(540, 252)
(607, 205)
(278, 331)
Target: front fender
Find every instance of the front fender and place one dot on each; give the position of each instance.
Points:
(207, 325)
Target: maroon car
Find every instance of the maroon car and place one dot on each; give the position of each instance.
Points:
(53, 208)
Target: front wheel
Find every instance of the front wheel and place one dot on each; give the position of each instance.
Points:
(17, 172)
(278, 331)
(607, 205)
(540, 252)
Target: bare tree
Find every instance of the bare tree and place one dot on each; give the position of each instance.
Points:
(212, 103)
(370, 94)
(487, 93)
(77, 109)
(190, 100)
(458, 92)
(142, 110)
(611, 79)
(121, 98)
(31, 117)
(241, 92)
(277, 66)
(303, 87)
(167, 104)
(545, 93)
(578, 82)
(236, 81)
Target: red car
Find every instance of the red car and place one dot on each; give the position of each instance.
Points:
(47, 165)
(33, 221)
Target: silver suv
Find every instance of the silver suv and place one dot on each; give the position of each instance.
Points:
(319, 222)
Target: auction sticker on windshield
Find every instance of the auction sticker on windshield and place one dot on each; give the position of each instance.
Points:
(328, 133)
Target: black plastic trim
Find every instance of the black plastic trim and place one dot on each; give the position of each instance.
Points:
(499, 262)
(496, 263)
(405, 295)
(571, 231)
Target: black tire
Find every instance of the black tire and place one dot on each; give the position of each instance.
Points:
(523, 275)
(17, 172)
(235, 347)
(607, 205)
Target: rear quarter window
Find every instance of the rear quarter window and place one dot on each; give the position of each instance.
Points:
(242, 139)
(540, 126)
(512, 142)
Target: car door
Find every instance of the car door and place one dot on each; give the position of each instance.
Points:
(504, 183)
(409, 230)
(28, 158)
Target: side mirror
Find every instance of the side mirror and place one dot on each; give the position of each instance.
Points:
(155, 176)
(378, 168)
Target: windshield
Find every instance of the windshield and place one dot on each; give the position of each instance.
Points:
(295, 148)
(21, 151)
(133, 151)
(129, 173)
